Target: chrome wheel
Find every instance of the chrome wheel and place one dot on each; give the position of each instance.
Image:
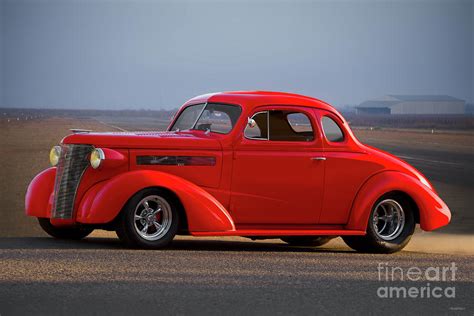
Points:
(152, 217)
(388, 219)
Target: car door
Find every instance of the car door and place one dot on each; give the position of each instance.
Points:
(346, 168)
(278, 168)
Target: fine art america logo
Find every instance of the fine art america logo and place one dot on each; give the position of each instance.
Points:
(430, 282)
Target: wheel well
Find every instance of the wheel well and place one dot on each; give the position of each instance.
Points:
(183, 222)
(408, 199)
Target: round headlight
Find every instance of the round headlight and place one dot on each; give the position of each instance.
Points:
(97, 155)
(54, 155)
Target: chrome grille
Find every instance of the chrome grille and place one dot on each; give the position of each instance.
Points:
(71, 166)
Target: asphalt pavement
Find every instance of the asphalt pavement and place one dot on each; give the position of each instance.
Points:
(212, 276)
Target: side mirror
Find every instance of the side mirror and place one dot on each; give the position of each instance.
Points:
(251, 122)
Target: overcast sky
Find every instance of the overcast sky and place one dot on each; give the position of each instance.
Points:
(157, 54)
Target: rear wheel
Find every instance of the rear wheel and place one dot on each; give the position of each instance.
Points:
(311, 241)
(63, 232)
(149, 220)
(391, 225)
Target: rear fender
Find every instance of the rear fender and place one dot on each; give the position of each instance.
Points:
(103, 201)
(434, 213)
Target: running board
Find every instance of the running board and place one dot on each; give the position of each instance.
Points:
(276, 233)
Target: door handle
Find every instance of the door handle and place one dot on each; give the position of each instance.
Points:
(318, 158)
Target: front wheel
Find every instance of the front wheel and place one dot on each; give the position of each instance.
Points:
(63, 232)
(149, 220)
(391, 225)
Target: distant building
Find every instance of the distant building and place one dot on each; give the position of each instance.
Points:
(412, 104)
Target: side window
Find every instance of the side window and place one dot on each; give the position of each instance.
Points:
(300, 123)
(260, 130)
(332, 131)
(278, 125)
(281, 128)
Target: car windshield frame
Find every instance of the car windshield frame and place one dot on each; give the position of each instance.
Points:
(199, 116)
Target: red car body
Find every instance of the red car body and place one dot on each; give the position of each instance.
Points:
(230, 185)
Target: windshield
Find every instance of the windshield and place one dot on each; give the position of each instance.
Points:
(188, 117)
(213, 117)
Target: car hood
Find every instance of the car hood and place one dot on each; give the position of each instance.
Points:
(146, 140)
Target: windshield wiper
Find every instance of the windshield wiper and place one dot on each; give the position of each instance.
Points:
(199, 116)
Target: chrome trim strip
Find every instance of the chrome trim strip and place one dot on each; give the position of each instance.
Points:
(150, 160)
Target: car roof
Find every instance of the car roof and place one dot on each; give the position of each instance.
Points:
(253, 99)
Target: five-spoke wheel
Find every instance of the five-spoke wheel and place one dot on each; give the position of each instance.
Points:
(388, 219)
(153, 217)
(390, 227)
(149, 219)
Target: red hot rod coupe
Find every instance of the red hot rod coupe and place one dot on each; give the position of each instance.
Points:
(254, 164)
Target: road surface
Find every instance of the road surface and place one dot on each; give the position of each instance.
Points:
(45, 276)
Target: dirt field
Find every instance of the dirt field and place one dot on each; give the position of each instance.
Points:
(461, 142)
(24, 152)
(446, 159)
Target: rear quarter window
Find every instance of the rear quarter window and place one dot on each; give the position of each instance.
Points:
(332, 131)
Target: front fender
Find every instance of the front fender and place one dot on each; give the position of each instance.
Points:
(434, 213)
(38, 198)
(103, 201)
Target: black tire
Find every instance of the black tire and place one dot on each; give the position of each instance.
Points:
(126, 227)
(309, 241)
(372, 243)
(75, 233)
